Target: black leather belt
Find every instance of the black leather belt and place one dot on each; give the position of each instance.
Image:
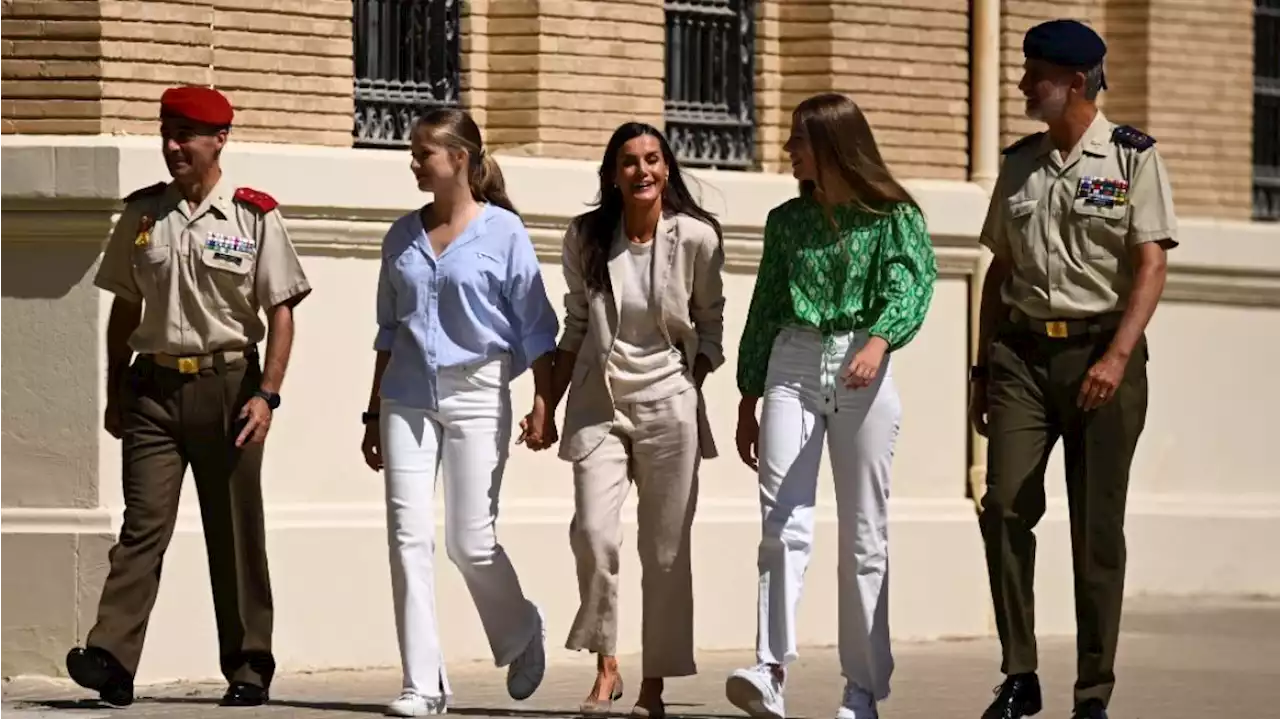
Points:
(1067, 328)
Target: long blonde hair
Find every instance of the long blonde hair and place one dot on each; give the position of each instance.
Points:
(843, 143)
(454, 129)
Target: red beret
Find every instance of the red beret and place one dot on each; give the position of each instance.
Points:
(198, 104)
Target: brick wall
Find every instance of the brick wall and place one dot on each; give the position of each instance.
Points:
(559, 75)
(905, 62)
(52, 67)
(1200, 102)
(99, 66)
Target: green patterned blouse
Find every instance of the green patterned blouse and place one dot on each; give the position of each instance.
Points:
(876, 272)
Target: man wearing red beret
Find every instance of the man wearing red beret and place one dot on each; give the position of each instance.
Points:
(192, 264)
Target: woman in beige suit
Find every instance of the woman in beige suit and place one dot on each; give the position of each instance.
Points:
(643, 326)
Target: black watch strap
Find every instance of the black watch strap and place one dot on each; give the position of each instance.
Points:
(977, 372)
(367, 417)
(271, 398)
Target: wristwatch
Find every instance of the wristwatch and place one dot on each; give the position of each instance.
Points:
(977, 372)
(367, 417)
(271, 398)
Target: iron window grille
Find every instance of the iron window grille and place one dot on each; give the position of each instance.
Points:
(1266, 110)
(407, 59)
(710, 84)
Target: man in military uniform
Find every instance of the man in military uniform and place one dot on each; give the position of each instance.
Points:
(191, 264)
(1079, 224)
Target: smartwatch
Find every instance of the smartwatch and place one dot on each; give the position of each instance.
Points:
(271, 398)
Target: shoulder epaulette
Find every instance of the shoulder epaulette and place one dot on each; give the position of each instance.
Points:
(256, 198)
(1132, 137)
(1023, 143)
(146, 191)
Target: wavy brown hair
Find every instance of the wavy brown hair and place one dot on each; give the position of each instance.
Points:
(843, 144)
(598, 226)
(454, 129)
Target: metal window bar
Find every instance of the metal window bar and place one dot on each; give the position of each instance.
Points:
(1266, 111)
(407, 58)
(710, 83)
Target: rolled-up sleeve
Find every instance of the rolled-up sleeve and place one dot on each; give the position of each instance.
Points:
(1152, 218)
(532, 316)
(279, 276)
(115, 274)
(706, 303)
(386, 311)
(575, 297)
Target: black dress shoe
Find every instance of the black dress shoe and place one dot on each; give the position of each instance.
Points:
(1090, 709)
(244, 694)
(1018, 697)
(96, 669)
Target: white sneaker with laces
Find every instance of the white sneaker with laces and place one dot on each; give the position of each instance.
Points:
(412, 704)
(757, 691)
(857, 704)
(526, 672)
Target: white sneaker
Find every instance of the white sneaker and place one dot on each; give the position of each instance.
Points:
(411, 704)
(857, 704)
(526, 672)
(756, 691)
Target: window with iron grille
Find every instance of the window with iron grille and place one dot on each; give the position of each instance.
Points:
(710, 89)
(1266, 110)
(406, 55)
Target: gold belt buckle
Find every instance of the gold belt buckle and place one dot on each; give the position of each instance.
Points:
(1056, 330)
(189, 365)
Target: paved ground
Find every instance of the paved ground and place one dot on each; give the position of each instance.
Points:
(1179, 659)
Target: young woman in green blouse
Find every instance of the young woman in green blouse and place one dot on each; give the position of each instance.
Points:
(845, 280)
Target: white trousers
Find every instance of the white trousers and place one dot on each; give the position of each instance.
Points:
(469, 437)
(804, 400)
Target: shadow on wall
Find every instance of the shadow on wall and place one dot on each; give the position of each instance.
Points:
(48, 268)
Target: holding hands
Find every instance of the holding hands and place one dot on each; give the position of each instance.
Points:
(538, 428)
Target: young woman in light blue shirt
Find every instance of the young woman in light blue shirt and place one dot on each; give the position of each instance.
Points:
(461, 312)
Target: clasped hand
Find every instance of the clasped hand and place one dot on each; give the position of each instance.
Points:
(538, 428)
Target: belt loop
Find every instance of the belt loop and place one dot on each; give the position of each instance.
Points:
(219, 363)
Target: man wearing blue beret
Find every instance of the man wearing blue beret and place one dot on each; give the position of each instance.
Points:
(1080, 220)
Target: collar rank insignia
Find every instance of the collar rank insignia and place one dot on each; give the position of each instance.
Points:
(145, 223)
(1103, 191)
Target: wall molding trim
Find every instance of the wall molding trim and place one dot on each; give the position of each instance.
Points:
(711, 511)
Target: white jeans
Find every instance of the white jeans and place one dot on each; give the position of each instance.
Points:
(804, 399)
(469, 435)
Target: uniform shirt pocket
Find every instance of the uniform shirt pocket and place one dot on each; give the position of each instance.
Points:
(1099, 229)
(229, 271)
(152, 265)
(1019, 215)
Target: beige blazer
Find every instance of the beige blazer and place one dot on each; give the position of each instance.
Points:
(687, 264)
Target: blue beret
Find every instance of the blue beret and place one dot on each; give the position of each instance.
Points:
(1064, 42)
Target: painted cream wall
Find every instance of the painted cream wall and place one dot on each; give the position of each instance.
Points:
(1202, 496)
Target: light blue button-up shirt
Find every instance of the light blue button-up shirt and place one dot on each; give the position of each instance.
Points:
(483, 296)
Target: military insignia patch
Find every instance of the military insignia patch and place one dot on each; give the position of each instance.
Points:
(1103, 191)
(1132, 137)
(143, 238)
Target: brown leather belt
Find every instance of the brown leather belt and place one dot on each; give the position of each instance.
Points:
(193, 364)
(1067, 328)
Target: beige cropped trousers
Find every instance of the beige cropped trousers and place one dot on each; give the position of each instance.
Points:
(655, 446)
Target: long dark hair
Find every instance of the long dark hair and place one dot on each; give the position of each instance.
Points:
(454, 128)
(843, 143)
(598, 226)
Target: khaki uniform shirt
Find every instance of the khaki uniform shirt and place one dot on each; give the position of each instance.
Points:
(201, 273)
(1067, 225)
